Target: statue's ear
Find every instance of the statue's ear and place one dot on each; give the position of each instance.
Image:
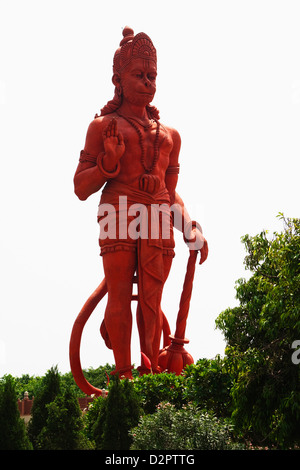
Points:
(116, 79)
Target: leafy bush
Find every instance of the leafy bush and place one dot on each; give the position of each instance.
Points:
(208, 384)
(187, 428)
(154, 389)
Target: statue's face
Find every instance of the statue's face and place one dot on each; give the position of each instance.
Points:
(138, 82)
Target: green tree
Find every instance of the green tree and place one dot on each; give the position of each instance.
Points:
(260, 334)
(13, 434)
(27, 383)
(118, 413)
(91, 429)
(49, 390)
(64, 425)
(97, 377)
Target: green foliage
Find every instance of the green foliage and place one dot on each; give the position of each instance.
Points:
(256, 386)
(157, 388)
(95, 409)
(208, 384)
(49, 390)
(27, 383)
(63, 429)
(260, 333)
(110, 419)
(186, 428)
(13, 434)
(97, 377)
(31, 384)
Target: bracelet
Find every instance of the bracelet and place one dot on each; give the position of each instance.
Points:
(189, 226)
(107, 174)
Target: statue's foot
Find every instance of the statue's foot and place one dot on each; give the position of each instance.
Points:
(143, 370)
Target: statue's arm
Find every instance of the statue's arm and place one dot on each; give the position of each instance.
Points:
(171, 176)
(182, 219)
(192, 231)
(181, 216)
(88, 179)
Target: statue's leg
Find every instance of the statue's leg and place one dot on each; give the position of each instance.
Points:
(159, 322)
(119, 269)
(157, 338)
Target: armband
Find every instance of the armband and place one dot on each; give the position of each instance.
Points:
(173, 170)
(87, 157)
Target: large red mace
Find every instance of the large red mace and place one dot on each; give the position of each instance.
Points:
(173, 358)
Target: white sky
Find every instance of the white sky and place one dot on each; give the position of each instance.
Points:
(229, 82)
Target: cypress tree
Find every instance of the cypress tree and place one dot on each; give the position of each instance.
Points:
(119, 413)
(49, 390)
(13, 435)
(64, 425)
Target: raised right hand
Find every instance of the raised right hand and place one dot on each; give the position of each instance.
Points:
(113, 143)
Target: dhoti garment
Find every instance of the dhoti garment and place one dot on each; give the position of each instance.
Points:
(139, 221)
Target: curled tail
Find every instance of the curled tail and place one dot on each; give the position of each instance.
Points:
(74, 348)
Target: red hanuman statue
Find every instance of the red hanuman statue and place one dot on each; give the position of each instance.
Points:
(135, 158)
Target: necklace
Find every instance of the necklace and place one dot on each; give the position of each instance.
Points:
(147, 169)
(145, 126)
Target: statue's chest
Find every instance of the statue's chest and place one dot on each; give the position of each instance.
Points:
(150, 145)
(148, 139)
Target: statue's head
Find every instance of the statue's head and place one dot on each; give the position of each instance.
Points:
(132, 48)
(134, 71)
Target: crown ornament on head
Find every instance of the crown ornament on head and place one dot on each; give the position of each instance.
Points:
(133, 47)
